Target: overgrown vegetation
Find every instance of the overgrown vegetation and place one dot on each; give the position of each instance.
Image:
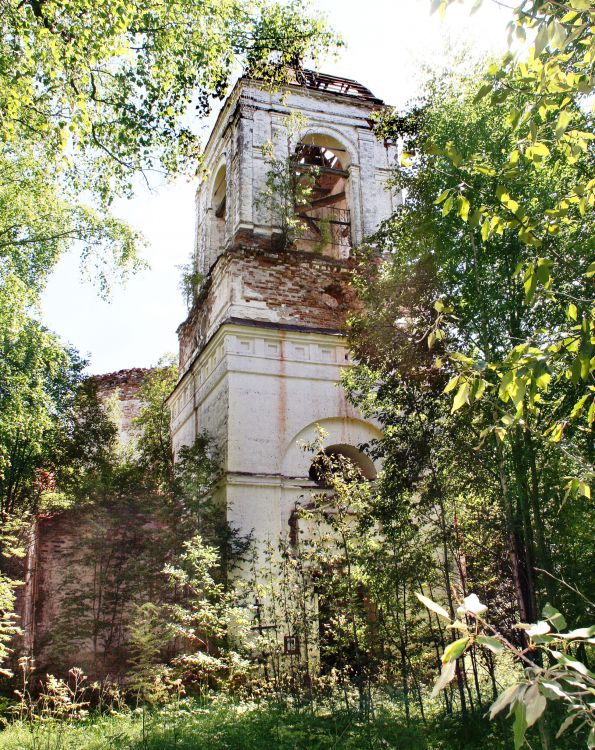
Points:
(288, 189)
(257, 726)
(397, 612)
(476, 351)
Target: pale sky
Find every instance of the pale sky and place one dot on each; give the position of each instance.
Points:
(388, 45)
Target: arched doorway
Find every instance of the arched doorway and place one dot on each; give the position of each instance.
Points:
(342, 458)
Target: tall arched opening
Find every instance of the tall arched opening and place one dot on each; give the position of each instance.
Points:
(218, 211)
(322, 164)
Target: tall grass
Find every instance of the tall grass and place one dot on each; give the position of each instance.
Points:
(247, 726)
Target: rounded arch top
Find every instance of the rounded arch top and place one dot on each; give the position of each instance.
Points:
(338, 431)
(331, 458)
(332, 139)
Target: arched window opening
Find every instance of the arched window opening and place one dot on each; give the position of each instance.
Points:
(322, 167)
(341, 459)
(218, 213)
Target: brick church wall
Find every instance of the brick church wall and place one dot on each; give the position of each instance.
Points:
(283, 287)
(87, 566)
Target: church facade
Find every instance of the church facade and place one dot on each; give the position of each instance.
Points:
(261, 357)
(263, 347)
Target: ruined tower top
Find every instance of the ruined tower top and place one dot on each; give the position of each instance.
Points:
(337, 138)
(335, 85)
(349, 199)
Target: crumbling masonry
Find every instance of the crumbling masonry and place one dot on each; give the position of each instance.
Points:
(261, 355)
(262, 349)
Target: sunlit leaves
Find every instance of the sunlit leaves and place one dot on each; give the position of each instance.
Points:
(540, 628)
(538, 273)
(110, 84)
(566, 678)
(462, 396)
(550, 126)
(431, 605)
(38, 378)
(8, 620)
(472, 604)
(446, 676)
(556, 618)
(454, 650)
(468, 390)
(493, 644)
(463, 207)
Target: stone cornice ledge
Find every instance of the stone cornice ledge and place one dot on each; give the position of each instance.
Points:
(229, 324)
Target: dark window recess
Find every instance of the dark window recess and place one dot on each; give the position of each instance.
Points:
(340, 458)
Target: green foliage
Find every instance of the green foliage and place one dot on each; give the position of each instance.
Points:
(39, 376)
(148, 632)
(542, 98)
(8, 620)
(470, 344)
(197, 473)
(113, 568)
(565, 679)
(155, 456)
(107, 87)
(287, 188)
(91, 96)
(326, 236)
(343, 583)
(188, 725)
(40, 219)
(85, 449)
(197, 470)
(190, 282)
(52, 433)
(456, 293)
(204, 617)
(134, 512)
(435, 513)
(38, 385)
(333, 527)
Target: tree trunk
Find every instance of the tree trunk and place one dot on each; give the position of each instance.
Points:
(515, 546)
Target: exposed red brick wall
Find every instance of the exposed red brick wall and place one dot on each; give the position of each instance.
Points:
(192, 332)
(125, 384)
(83, 564)
(89, 570)
(313, 291)
(305, 289)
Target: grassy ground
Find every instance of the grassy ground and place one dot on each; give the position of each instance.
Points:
(225, 726)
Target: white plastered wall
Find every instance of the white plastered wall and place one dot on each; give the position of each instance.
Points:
(253, 117)
(263, 394)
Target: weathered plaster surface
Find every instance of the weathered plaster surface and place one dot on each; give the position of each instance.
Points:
(261, 352)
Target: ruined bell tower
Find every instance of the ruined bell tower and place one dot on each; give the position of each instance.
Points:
(262, 349)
